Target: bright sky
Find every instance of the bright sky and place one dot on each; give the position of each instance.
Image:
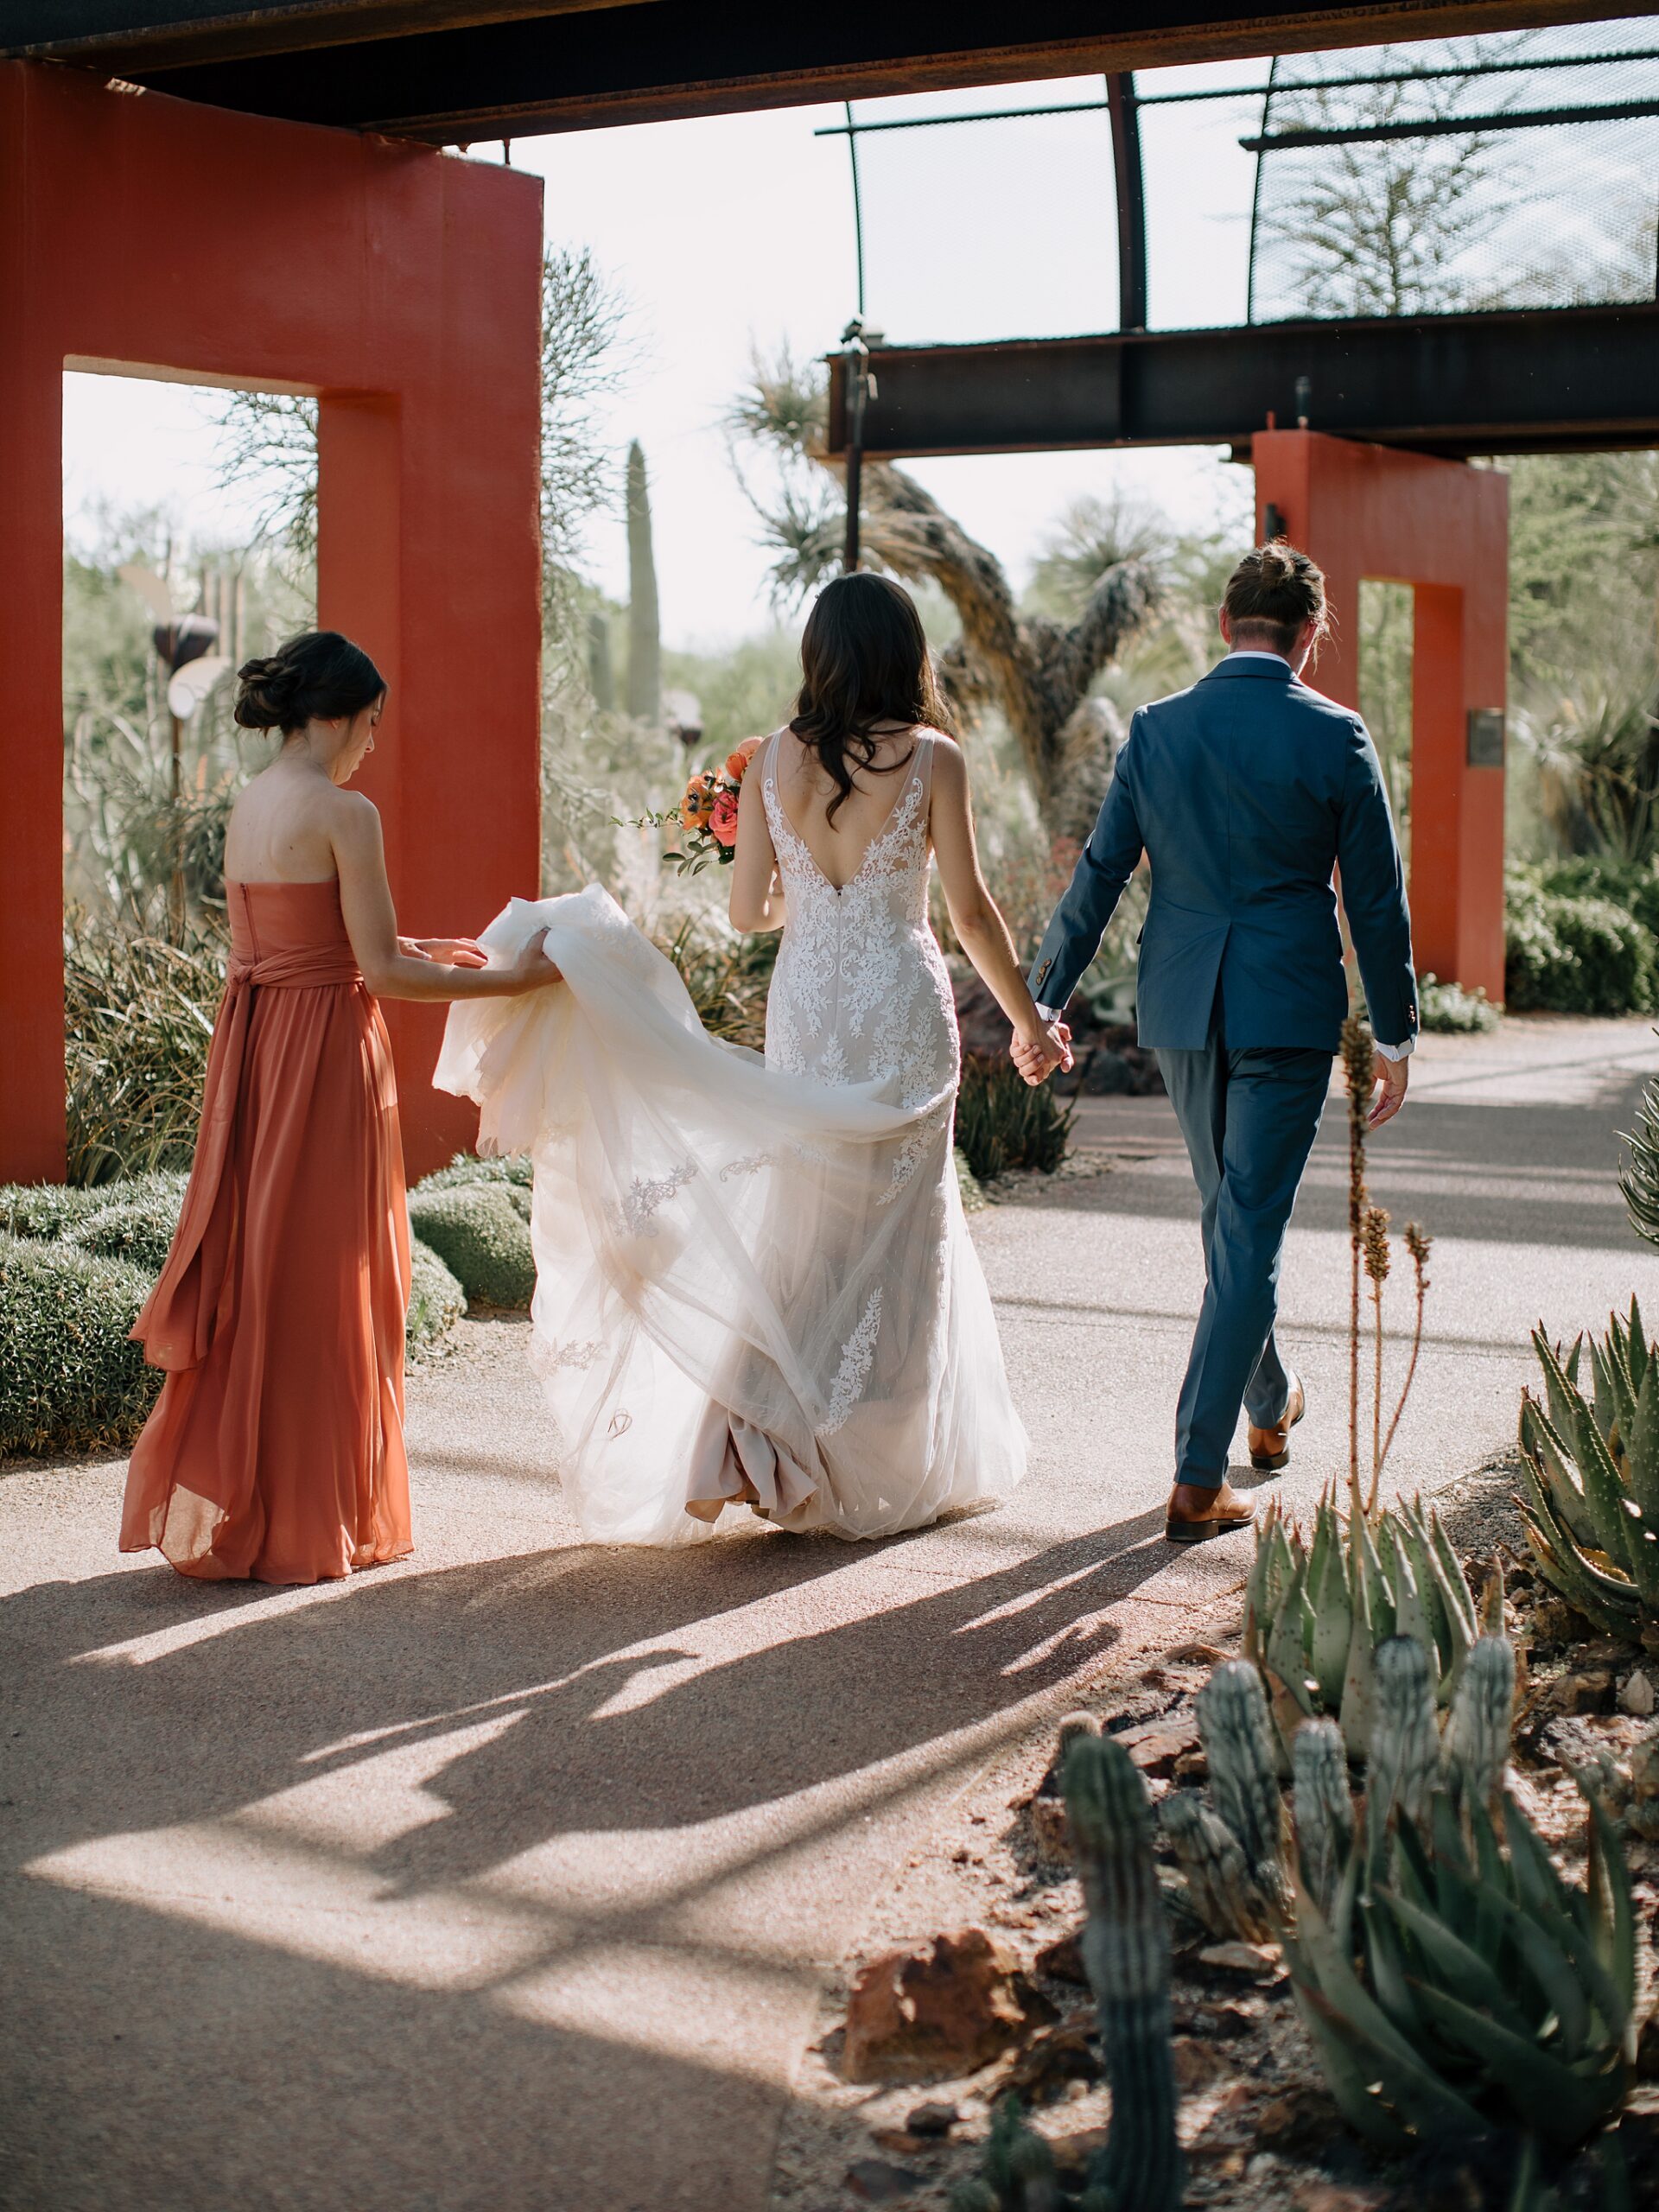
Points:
(734, 231)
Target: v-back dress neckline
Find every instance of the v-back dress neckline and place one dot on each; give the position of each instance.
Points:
(911, 767)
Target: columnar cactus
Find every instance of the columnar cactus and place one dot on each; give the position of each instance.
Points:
(645, 642)
(1475, 1749)
(1126, 1952)
(1219, 1882)
(1236, 1730)
(1325, 1811)
(1405, 1744)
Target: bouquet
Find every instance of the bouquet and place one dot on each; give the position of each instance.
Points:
(707, 814)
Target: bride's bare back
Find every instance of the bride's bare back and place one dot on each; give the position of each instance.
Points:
(838, 847)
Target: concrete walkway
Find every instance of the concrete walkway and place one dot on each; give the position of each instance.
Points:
(506, 1878)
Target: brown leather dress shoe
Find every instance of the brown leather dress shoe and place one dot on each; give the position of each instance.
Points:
(1197, 1514)
(1270, 1447)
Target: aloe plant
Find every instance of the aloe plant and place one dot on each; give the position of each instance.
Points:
(1590, 1468)
(1316, 1610)
(1451, 1981)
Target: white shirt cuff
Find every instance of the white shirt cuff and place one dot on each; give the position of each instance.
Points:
(1396, 1051)
(1050, 1013)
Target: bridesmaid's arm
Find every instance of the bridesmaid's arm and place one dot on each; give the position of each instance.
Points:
(757, 897)
(372, 925)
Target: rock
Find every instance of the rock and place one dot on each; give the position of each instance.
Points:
(1066, 2053)
(1327, 2196)
(1234, 2016)
(1073, 2152)
(873, 2181)
(1299, 2120)
(1191, 1767)
(1638, 1695)
(1259, 1961)
(1063, 1960)
(1583, 1689)
(941, 2008)
(1049, 1829)
(1155, 1745)
(1196, 2064)
(932, 2119)
(1551, 1620)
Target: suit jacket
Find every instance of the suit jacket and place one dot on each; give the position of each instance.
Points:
(1247, 793)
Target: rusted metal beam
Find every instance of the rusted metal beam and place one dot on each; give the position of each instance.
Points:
(448, 71)
(1549, 380)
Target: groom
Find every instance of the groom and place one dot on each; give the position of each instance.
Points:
(1245, 793)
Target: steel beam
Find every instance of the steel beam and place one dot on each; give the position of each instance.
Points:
(1544, 380)
(448, 71)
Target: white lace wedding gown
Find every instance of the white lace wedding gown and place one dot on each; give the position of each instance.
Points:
(751, 1268)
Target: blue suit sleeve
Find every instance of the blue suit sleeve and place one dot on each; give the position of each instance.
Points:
(1374, 895)
(1107, 861)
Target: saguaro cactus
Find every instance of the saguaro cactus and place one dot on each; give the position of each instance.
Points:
(1126, 1952)
(645, 642)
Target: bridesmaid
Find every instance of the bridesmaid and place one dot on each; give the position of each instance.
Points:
(276, 1449)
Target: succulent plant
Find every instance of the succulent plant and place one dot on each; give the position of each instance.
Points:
(1315, 1612)
(1451, 1981)
(1324, 1810)
(1590, 1468)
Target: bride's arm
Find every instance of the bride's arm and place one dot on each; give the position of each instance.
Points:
(757, 895)
(974, 915)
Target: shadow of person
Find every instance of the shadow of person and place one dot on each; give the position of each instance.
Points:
(628, 1693)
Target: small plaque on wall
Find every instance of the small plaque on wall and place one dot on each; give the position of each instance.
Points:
(1485, 737)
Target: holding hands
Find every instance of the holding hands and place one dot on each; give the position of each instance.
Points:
(1038, 1053)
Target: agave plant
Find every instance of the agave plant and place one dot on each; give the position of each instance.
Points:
(1591, 1467)
(1314, 1612)
(1452, 1982)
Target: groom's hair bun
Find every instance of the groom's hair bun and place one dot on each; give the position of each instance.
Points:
(1272, 593)
(318, 676)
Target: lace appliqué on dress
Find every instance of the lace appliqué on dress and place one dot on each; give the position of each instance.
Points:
(637, 1212)
(857, 1357)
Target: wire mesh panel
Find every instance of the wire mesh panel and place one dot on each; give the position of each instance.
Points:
(1511, 171)
(1003, 226)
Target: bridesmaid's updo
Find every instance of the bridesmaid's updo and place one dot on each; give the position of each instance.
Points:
(317, 677)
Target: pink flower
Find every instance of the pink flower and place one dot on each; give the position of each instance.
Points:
(737, 762)
(722, 822)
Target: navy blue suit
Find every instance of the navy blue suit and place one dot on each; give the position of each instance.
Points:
(1246, 792)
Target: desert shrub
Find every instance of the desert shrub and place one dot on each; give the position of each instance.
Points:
(467, 1171)
(45, 1211)
(135, 1222)
(1597, 875)
(1451, 1011)
(138, 1017)
(1576, 955)
(436, 1300)
(481, 1237)
(1003, 1122)
(727, 978)
(70, 1377)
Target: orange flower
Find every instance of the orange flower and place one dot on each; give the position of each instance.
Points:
(699, 801)
(737, 762)
(722, 822)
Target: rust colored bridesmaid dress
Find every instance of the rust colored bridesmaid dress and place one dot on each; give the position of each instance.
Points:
(276, 1449)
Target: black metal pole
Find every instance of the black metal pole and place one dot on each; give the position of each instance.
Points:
(858, 373)
(1124, 113)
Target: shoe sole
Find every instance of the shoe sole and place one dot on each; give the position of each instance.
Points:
(1202, 1532)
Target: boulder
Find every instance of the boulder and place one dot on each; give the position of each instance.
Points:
(934, 2011)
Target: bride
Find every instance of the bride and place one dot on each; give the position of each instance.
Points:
(756, 1291)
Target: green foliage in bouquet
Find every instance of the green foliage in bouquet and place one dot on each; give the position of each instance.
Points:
(1591, 1468)
(482, 1237)
(1315, 1612)
(70, 1377)
(1452, 1983)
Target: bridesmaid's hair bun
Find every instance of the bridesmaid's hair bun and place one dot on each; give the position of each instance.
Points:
(318, 676)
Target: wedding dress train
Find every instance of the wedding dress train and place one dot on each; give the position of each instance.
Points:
(753, 1276)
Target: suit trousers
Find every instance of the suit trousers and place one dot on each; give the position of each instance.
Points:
(1250, 1116)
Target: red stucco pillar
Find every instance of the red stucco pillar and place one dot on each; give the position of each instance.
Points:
(1442, 527)
(403, 287)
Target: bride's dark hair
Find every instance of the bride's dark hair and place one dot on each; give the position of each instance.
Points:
(864, 662)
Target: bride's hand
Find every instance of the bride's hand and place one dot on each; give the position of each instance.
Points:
(531, 969)
(454, 951)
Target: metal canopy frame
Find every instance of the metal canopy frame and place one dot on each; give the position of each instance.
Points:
(451, 71)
